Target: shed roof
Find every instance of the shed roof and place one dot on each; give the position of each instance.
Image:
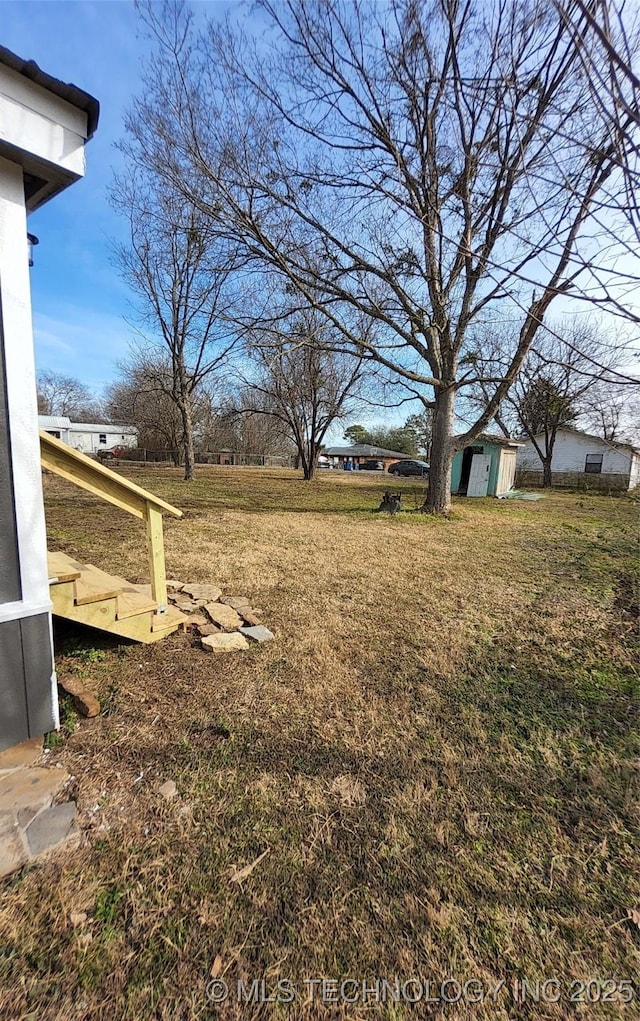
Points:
(496, 439)
(363, 450)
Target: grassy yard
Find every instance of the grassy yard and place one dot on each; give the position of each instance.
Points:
(434, 769)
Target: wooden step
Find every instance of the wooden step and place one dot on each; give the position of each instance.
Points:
(62, 568)
(132, 599)
(94, 585)
(168, 621)
(90, 596)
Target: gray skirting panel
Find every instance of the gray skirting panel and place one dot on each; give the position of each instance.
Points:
(25, 680)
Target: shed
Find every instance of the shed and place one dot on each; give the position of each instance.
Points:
(487, 467)
(44, 124)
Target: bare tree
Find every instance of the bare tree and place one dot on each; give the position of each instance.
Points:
(430, 156)
(179, 271)
(544, 401)
(64, 395)
(612, 412)
(142, 396)
(249, 433)
(301, 382)
(606, 37)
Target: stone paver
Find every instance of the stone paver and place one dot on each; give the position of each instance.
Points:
(30, 788)
(209, 592)
(13, 854)
(184, 604)
(224, 616)
(197, 620)
(51, 828)
(225, 642)
(29, 824)
(236, 602)
(24, 754)
(259, 633)
(251, 617)
(208, 629)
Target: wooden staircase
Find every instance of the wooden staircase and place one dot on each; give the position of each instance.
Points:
(84, 593)
(90, 596)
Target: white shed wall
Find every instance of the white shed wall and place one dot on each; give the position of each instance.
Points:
(507, 472)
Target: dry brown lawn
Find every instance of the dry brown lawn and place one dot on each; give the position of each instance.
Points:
(433, 769)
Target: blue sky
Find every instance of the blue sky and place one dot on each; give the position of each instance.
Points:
(79, 302)
(78, 299)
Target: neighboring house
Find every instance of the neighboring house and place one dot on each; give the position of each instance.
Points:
(487, 467)
(361, 452)
(44, 125)
(581, 460)
(87, 437)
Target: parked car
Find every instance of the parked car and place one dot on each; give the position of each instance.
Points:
(324, 462)
(409, 468)
(372, 466)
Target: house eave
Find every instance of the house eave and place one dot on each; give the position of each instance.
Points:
(70, 93)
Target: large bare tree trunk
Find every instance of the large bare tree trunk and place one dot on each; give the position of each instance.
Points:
(187, 441)
(308, 462)
(547, 477)
(439, 496)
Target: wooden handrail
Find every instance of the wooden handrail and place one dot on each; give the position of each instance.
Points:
(70, 464)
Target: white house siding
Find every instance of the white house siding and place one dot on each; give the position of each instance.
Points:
(56, 425)
(569, 459)
(91, 438)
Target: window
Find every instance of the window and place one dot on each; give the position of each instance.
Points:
(593, 464)
(54, 432)
(102, 437)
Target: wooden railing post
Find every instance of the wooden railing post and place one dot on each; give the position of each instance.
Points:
(156, 558)
(70, 464)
